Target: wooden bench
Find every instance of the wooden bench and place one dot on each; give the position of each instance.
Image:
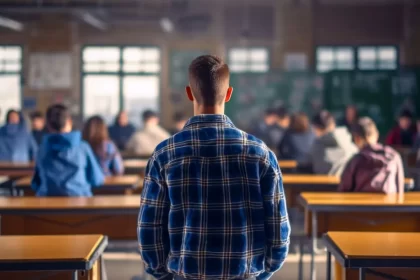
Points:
(373, 255)
(295, 184)
(358, 212)
(52, 257)
(125, 184)
(114, 216)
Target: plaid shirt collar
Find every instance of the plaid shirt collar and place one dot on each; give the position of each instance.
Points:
(205, 120)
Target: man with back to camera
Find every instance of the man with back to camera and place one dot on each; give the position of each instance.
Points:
(213, 205)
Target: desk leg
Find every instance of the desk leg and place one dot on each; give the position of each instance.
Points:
(362, 274)
(75, 275)
(328, 265)
(314, 244)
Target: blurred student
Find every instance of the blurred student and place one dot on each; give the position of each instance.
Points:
(376, 168)
(298, 139)
(333, 146)
(66, 165)
(16, 142)
(145, 141)
(404, 133)
(279, 129)
(262, 128)
(350, 117)
(95, 133)
(214, 190)
(416, 146)
(121, 131)
(179, 122)
(38, 126)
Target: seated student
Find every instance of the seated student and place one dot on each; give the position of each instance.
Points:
(16, 143)
(332, 148)
(404, 133)
(121, 131)
(66, 165)
(376, 168)
(262, 127)
(95, 133)
(145, 141)
(416, 146)
(298, 140)
(278, 130)
(350, 117)
(180, 121)
(38, 126)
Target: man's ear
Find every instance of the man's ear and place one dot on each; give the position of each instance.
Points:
(229, 94)
(189, 93)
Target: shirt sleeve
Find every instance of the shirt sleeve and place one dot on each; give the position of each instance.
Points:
(94, 173)
(152, 230)
(117, 164)
(400, 174)
(277, 226)
(347, 182)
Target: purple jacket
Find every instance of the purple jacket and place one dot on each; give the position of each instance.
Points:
(376, 168)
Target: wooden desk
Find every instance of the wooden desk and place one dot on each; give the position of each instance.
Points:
(295, 184)
(124, 184)
(288, 164)
(130, 155)
(358, 212)
(16, 170)
(373, 253)
(135, 166)
(114, 216)
(51, 257)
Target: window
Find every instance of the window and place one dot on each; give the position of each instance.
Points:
(334, 58)
(10, 79)
(118, 77)
(362, 58)
(377, 58)
(248, 60)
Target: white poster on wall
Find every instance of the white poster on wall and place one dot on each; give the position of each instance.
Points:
(296, 62)
(50, 71)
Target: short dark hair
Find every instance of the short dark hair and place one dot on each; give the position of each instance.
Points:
(148, 114)
(406, 114)
(36, 115)
(282, 112)
(179, 116)
(270, 112)
(57, 116)
(207, 74)
(365, 128)
(323, 120)
(11, 111)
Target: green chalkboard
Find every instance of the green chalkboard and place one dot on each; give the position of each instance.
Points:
(381, 95)
(253, 93)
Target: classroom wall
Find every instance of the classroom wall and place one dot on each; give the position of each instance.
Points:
(297, 28)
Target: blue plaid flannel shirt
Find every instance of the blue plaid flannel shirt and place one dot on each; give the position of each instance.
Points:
(213, 205)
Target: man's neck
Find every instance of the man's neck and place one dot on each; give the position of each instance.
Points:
(209, 110)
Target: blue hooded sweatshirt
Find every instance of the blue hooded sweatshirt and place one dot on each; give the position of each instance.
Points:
(66, 166)
(16, 144)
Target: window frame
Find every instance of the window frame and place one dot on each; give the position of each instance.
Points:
(120, 73)
(19, 73)
(247, 64)
(356, 61)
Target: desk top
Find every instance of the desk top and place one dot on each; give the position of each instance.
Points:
(375, 249)
(135, 163)
(322, 201)
(320, 179)
(111, 181)
(54, 252)
(288, 164)
(16, 165)
(111, 202)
